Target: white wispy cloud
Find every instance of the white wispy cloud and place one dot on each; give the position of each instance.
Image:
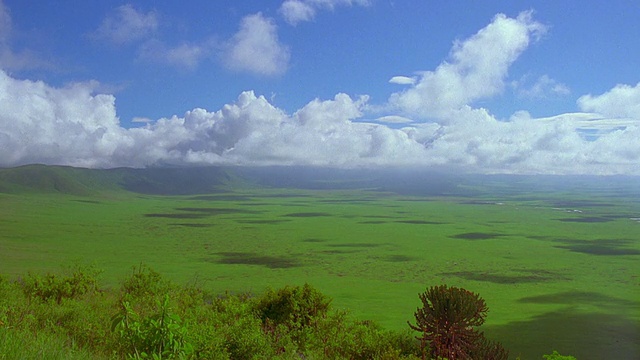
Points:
(255, 47)
(477, 69)
(11, 58)
(402, 80)
(127, 24)
(543, 87)
(296, 11)
(185, 56)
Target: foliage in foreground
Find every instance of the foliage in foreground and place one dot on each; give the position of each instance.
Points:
(67, 316)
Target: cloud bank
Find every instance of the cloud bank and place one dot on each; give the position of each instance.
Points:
(431, 123)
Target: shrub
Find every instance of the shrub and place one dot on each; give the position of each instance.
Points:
(79, 281)
(556, 356)
(161, 335)
(293, 306)
(447, 321)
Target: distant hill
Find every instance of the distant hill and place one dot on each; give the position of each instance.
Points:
(85, 182)
(212, 179)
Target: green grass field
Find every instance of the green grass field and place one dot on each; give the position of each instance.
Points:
(559, 270)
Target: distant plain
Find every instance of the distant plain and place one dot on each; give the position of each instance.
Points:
(559, 266)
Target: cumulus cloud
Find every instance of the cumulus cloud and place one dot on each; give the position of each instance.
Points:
(255, 47)
(127, 24)
(623, 101)
(477, 69)
(295, 11)
(76, 125)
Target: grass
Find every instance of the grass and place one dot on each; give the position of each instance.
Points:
(557, 270)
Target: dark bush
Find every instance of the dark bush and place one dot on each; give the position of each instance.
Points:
(447, 320)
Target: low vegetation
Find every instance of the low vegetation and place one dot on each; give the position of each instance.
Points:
(68, 316)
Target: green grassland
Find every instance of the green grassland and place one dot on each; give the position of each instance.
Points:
(558, 269)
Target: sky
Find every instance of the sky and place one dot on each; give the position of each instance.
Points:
(516, 87)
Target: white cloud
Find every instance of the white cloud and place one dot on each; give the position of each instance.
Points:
(255, 47)
(402, 80)
(127, 25)
(295, 11)
(10, 58)
(477, 69)
(5, 23)
(186, 56)
(623, 101)
(394, 119)
(543, 87)
(74, 126)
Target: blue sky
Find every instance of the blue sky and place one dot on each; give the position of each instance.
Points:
(491, 86)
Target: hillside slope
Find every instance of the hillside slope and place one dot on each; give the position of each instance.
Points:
(86, 182)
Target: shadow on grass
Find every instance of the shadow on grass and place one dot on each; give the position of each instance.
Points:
(193, 225)
(525, 276)
(583, 335)
(308, 214)
(242, 258)
(610, 247)
(476, 236)
(197, 213)
(581, 297)
(355, 245)
(399, 258)
(221, 198)
(314, 240)
(587, 219)
(419, 222)
(262, 221)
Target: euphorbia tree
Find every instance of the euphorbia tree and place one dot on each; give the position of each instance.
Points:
(447, 321)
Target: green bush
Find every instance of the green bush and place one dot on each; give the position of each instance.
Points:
(79, 280)
(161, 335)
(556, 356)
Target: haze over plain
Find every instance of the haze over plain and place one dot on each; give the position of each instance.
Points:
(530, 88)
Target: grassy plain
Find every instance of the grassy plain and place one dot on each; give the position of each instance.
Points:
(559, 270)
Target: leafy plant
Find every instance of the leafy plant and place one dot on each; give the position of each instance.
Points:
(79, 281)
(161, 335)
(556, 356)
